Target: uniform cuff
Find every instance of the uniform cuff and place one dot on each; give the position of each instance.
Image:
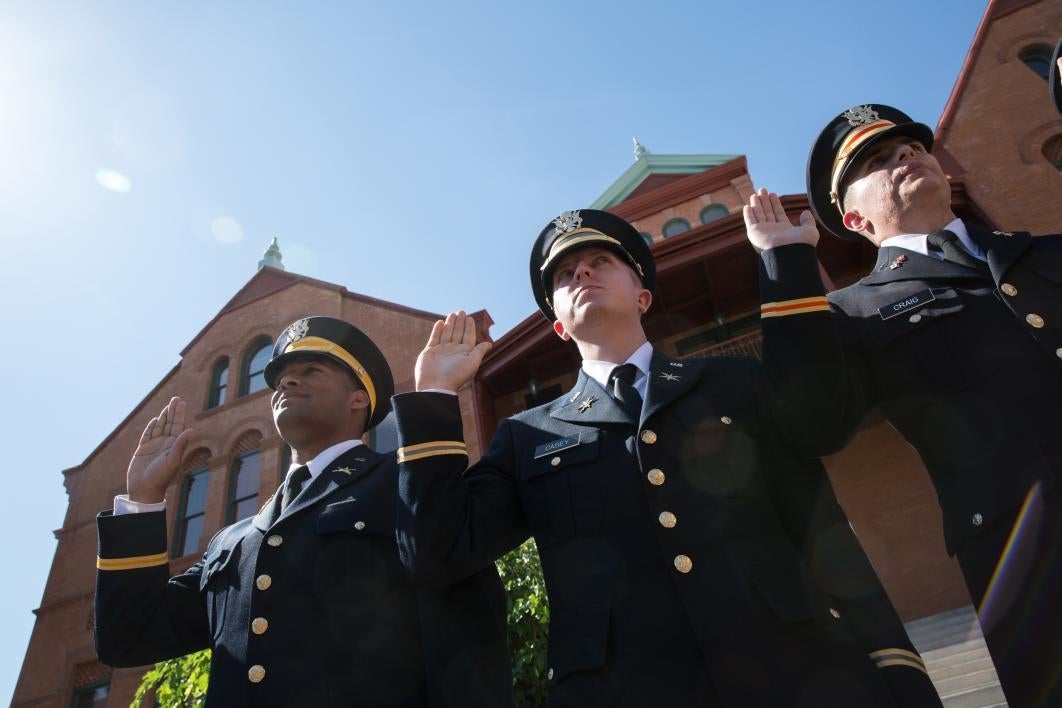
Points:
(131, 541)
(124, 505)
(790, 283)
(429, 424)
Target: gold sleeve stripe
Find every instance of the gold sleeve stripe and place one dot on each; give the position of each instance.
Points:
(132, 563)
(799, 306)
(431, 449)
(897, 657)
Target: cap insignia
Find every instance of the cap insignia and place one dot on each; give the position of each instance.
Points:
(860, 115)
(298, 330)
(567, 221)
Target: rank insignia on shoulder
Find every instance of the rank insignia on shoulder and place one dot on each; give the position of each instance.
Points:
(669, 377)
(911, 302)
(587, 404)
(555, 446)
(898, 262)
(1007, 234)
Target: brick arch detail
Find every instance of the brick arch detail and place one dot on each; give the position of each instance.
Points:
(1031, 145)
(250, 440)
(1049, 35)
(199, 457)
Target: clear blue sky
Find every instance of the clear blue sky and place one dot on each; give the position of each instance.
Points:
(409, 151)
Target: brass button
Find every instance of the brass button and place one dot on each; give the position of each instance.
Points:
(549, 674)
(259, 625)
(648, 437)
(914, 319)
(1034, 320)
(656, 476)
(977, 519)
(1058, 352)
(683, 564)
(359, 525)
(275, 540)
(835, 614)
(256, 673)
(727, 420)
(263, 582)
(555, 461)
(668, 520)
(1008, 289)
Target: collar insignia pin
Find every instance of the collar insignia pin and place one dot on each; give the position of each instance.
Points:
(669, 377)
(567, 221)
(860, 115)
(344, 470)
(898, 262)
(298, 330)
(586, 405)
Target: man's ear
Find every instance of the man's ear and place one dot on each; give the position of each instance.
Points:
(359, 400)
(854, 221)
(645, 300)
(561, 332)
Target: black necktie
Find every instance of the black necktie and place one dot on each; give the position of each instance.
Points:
(947, 243)
(623, 390)
(293, 485)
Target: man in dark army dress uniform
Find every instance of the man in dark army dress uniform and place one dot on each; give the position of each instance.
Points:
(956, 338)
(690, 558)
(306, 603)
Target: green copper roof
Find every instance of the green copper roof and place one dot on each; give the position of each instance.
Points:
(649, 164)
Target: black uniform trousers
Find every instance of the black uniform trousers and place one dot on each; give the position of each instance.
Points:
(306, 608)
(966, 363)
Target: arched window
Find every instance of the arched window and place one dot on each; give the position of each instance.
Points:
(713, 212)
(676, 227)
(1053, 151)
(243, 486)
(647, 237)
(192, 507)
(1038, 58)
(219, 381)
(252, 373)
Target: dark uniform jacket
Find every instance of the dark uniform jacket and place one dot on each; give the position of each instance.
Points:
(312, 610)
(690, 560)
(967, 366)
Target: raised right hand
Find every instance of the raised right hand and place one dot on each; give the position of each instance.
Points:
(451, 357)
(768, 225)
(157, 459)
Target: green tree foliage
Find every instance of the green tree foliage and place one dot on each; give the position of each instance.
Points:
(182, 682)
(177, 683)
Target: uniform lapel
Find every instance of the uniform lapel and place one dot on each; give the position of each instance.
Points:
(589, 404)
(1002, 247)
(668, 380)
(269, 512)
(914, 266)
(344, 470)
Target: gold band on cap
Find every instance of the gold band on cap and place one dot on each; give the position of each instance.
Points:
(325, 346)
(579, 236)
(851, 142)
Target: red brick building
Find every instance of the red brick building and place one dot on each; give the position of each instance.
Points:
(999, 140)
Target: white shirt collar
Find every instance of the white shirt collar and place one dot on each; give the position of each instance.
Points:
(326, 457)
(917, 242)
(600, 370)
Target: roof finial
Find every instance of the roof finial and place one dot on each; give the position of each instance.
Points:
(640, 150)
(272, 257)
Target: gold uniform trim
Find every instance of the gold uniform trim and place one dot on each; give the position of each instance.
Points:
(319, 344)
(579, 236)
(852, 141)
(133, 562)
(898, 657)
(431, 449)
(799, 306)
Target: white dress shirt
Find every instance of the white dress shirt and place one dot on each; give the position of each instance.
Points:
(918, 244)
(641, 358)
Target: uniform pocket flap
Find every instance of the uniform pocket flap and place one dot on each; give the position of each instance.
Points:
(882, 330)
(562, 453)
(357, 516)
(578, 641)
(217, 559)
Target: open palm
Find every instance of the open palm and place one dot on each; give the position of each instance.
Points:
(157, 459)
